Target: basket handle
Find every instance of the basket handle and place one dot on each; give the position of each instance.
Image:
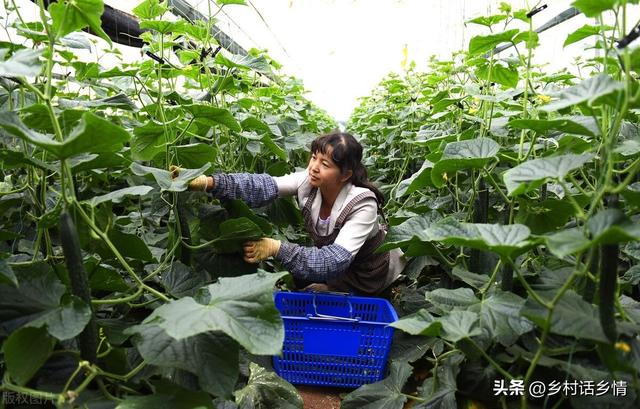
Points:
(319, 316)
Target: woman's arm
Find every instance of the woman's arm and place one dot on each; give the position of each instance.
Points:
(256, 190)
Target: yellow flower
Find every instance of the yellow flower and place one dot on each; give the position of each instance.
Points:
(623, 346)
(405, 57)
(445, 177)
(473, 110)
(543, 99)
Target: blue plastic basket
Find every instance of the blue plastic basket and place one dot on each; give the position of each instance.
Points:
(333, 340)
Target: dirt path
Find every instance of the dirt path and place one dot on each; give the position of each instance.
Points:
(320, 398)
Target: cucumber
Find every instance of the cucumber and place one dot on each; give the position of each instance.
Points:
(181, 214)
(88, 338)
(608, 283)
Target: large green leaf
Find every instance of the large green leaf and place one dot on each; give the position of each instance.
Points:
(505, 240)
(234, 232)
(120, 101)
(500, 316)
(411, 230)
(81, 139)
(419, 323)
(609, 226)
(578, 125)
(195, 155)
(38, 301)
(130, 245)
(572, 317)
(385, 394)
(22, 63)
(473, 153)
(593, 8)
(458, 325)
(163, 177)
(7, 275)
(25, 351)
(72, 15)
(212, 356)
(531, 174)
(241, 307)
(439, 390)
(482, 44)
(592, 91)
(149, 9)
(584, 32)
(449, 299)
(213, 116)
(498, 73)
(119, 195)
(169, 396)
(149, 140)
(181, 281)
(258, 64)
(265, 389)
(417, 181)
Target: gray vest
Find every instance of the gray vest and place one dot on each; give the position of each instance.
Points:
(368, 272)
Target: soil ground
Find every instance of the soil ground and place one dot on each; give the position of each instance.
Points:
(321, 398)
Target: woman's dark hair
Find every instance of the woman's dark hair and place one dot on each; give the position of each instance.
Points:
(347, 154)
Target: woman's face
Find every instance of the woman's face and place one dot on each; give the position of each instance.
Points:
(323, 171)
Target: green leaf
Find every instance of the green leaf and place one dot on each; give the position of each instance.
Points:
(234, 232)
(593, 8)
(411, 230)
(80, 140)
(580, 125)
(38, 301)
(532, 173)
(458, 325)
(6, 274)
(225, 2)
(584, 32)
(23, 63)
(568, 241)
(149, 9)
(258, 64)
(120, 101)
(65, 321)
(267, 390)
(195, 155)
(482, 44)
(498, 73)
(69, 16)
(505, 240)
(213, 116)
(163, 177)
(488, 21)
(171, 397)
(181, 281)
(385, 394)
(129, 245)
(161, 26)
(149, 140)
(500, 316)
(417, 181)
(473, 153)
(241, 307)
(439, 391)
(476, 281)
(103, 277)
(419, 323)
(119, 195)
(447, 300)
(25, 351)
(592, 91)
(545, 216)
(611, 226)
(237, 209)
(572, 316)
(212, 356)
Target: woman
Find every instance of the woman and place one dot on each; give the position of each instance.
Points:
(340, 210)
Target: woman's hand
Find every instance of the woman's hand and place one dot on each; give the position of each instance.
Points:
(201, 184)
(259, 250)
